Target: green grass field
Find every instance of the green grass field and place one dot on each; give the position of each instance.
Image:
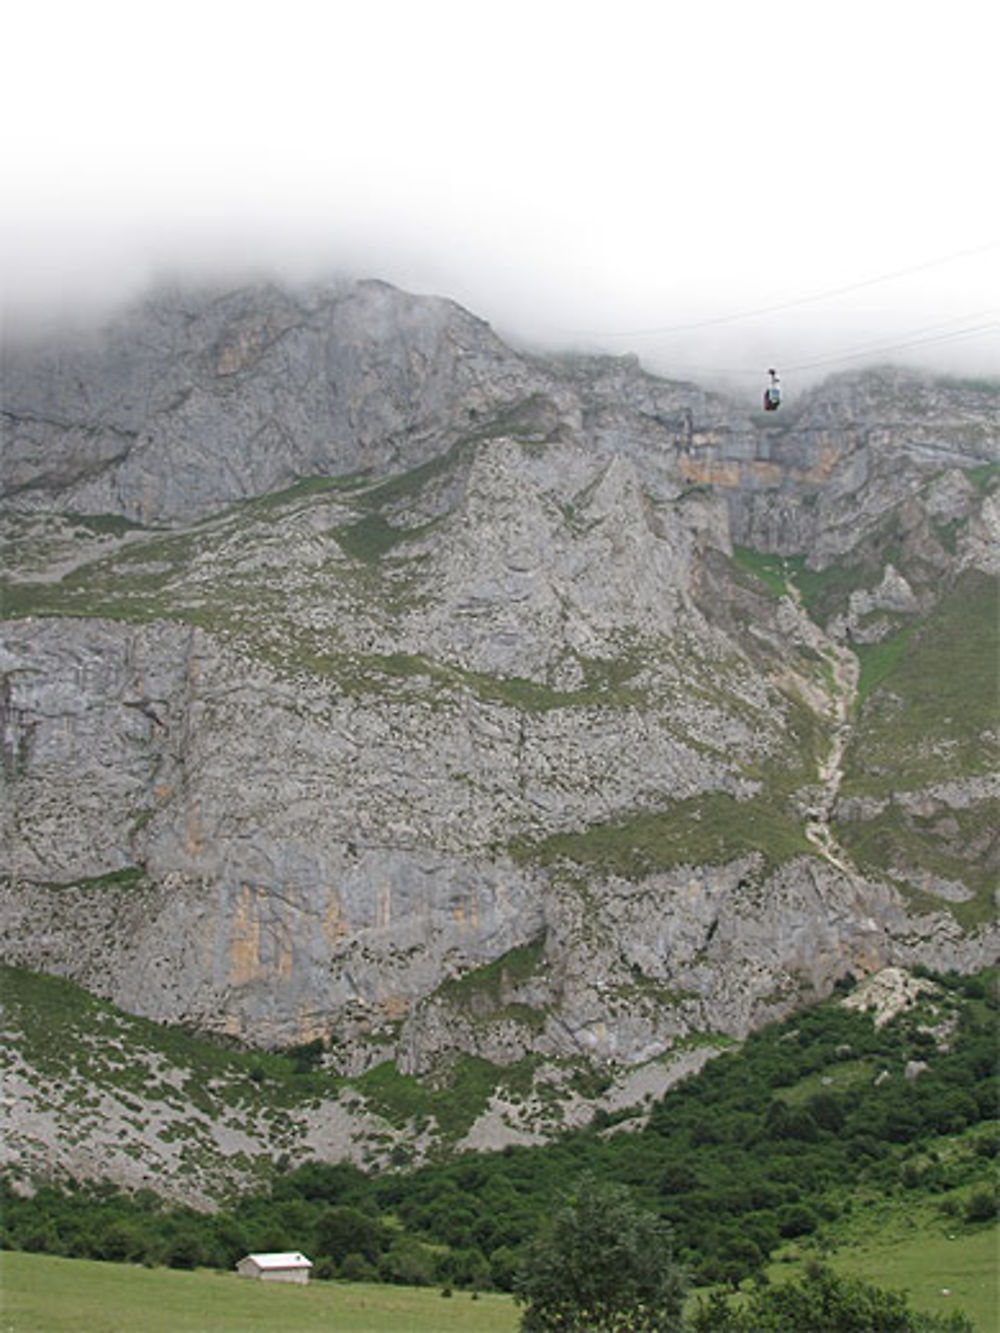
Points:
(928, 1266)
(914, 1249)
(42, 1294)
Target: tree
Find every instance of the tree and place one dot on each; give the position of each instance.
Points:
(504, 1264)
(463, 1268)
(797, 1219)
(602, 1265)
(981, 1207)
(356, 1268)
(183, 1249)
(119, 1240)
(736, 1257)
(341, 1231)
(406, 1262)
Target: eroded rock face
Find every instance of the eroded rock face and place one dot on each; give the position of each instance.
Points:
(207, 840)
(192, 401)
(312, 764)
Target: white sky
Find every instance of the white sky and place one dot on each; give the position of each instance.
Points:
(571, 173)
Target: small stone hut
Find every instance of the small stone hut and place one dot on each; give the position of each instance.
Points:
(291, 1267)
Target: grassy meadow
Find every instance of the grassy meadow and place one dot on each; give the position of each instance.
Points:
(940, 1275)
(904, 1247)
(43, 1294)
(941, 1272)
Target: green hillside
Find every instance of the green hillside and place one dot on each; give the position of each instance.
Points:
(824, 1135)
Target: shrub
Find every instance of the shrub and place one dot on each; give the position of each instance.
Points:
(981, 1207)
(356, 1268)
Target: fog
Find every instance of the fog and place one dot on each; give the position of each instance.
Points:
(714, 188)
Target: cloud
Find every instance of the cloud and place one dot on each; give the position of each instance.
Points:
(569, 176)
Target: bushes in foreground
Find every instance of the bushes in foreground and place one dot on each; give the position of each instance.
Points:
(821, 1302)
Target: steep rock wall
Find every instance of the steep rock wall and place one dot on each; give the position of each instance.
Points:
(308, 765)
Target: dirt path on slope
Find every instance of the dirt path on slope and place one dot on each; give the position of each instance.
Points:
(844, 671)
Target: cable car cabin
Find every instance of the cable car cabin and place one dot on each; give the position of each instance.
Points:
(772, 394)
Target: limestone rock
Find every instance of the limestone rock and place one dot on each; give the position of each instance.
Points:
(888, 993)
(427, 654)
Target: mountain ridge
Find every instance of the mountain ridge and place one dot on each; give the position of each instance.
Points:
(310, 725)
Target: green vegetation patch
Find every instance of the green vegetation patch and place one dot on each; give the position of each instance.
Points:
(490, 983)
(66, 1031)
(824, 592)
(114, 525)
(606, 681)
(405, 485)
(369, 538)
(461, 1096)
(846, 1076)
(985, 478)
(773, 570)
(930, 696)
(129, 877)
(879, 660)
(30, 599)
(305, 488)
(712, 829)
(947, 533)
(795, 762)
(131, 584)
(960, 846)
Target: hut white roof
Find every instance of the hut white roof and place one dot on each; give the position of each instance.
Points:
(290, 1260)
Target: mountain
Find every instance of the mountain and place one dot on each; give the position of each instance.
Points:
(367, 681)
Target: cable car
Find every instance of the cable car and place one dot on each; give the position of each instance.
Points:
(772, 394)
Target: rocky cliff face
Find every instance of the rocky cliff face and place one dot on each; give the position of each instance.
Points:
(366, 680)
